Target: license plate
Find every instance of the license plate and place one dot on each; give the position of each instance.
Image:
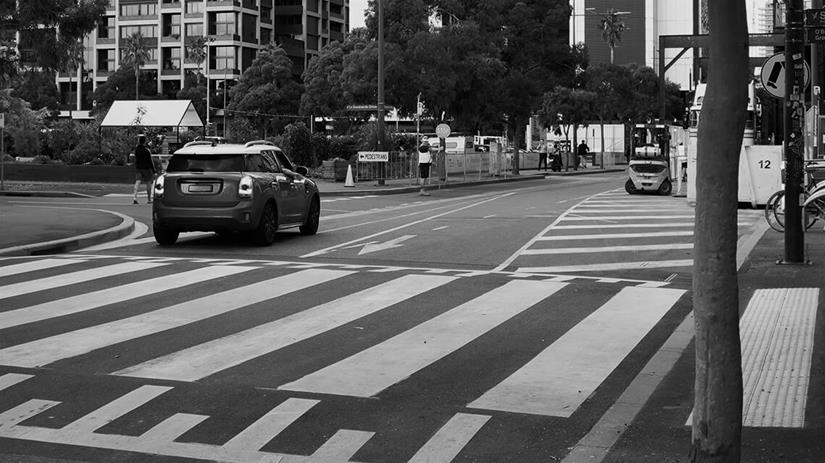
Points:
(200, 188)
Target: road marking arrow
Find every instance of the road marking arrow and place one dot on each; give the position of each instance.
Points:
(394, 243)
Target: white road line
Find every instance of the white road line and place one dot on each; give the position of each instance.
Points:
(270, 425)
(33, 266)
(211, 357)
(446, 444)
(67, 279)
(114, 295)
(342, 446)
(51, 349)
(368, 372)
(612, 210)
(558, 380)
(171, 428)
(416, 222)
(633, 217)
(626, 225)
(601, 249)
(615, 236)
(114, 409)
(10, 379)
(608, 266)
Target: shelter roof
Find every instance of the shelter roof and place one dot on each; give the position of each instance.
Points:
(152, 113)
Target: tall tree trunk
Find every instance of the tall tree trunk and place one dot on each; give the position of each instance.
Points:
(137, 82)
(717, 413)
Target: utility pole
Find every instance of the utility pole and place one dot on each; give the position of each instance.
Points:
(816, 85)
(380, 8)
(794, 118)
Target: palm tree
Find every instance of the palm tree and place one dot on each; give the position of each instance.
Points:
(135, 53)
(196, 52)
(612, 27)
(74, 60)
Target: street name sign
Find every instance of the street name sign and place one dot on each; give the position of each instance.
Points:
(815, 17)
(815, 34)
(373, 156)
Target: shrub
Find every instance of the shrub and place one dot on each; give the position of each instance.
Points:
(298, 145)
(40, 159)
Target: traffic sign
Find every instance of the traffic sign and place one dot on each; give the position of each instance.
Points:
(373, 156)
(442, 130)
(773, 75)
(815, 18)
(815, 34)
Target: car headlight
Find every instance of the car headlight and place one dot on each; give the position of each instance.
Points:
(245, 187)
(160, 184)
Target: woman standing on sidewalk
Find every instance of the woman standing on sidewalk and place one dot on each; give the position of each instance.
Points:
(425, 159)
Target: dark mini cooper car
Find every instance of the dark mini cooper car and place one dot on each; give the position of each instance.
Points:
(230, 188)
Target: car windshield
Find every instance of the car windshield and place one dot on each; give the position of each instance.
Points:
(211, 163)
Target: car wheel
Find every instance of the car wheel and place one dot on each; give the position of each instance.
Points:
(630, 187)
(310, 226)
(264, 235)
(665, 188)
(164, 236)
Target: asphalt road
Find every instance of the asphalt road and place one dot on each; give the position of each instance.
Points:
(477, 324)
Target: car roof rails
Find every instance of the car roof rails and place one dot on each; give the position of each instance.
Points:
(258, 142)
(201, 143)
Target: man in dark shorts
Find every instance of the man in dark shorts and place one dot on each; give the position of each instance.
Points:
(144, 169)
(425, 159)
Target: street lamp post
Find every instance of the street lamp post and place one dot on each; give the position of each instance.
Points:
(208, 108)
(380, 134)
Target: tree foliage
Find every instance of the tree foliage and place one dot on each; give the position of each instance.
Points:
(266, 89)
(38, 88)
(38, 20)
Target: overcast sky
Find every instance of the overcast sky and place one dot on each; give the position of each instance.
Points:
(356, 13)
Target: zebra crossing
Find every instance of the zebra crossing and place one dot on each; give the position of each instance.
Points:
(615, 231)
(158, 326)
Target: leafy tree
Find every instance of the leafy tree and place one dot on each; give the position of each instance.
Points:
(564, 107)
(323, 92)
(298, 144)
(23, 125)
(73, 61)
(196, 53)
(612, 27)
(135, 54)
(717, 411)
(38, 88)
(40, 19)
(121, 86)
(266, 88)
(613, 86)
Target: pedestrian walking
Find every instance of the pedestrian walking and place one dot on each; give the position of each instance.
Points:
(583, 151)
(144, 169)
(425, 160)
(542, 155)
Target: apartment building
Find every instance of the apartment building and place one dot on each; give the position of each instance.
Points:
(235, 30)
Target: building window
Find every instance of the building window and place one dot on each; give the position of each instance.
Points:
(139, 9)
(194, 7)
(171, 58)
(106, 27)
(106, 60)
(266, 36)
(266, 14)
(194, 30)
(224, 24)
(171, 25)
(223, 58)
(147, 31)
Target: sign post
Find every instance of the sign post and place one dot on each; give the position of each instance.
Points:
(442, 131)
(2, 151)
(794, 114)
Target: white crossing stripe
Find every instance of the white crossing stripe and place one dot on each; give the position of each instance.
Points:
(369, 372)
(342, 446)
(170, 429)
(626, 217)
(72, 278)
(113, 295)
(608, 266)
(114, 410)
(615, 236)
(35, 265)
(445, 445)
(54, 348)
(270, 425)
(558, 380)
(10, 379)
(603, 249)
(211, 357)
(626, 226)
(10, 418)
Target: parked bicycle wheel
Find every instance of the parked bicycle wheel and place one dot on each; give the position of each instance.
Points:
(775, 212)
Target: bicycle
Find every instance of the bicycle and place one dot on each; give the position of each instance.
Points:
(813, 199)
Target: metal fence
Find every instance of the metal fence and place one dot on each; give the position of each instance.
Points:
(467, 166)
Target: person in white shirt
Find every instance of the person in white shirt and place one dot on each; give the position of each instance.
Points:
(425, 160)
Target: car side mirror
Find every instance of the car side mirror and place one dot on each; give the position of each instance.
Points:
(302, 170)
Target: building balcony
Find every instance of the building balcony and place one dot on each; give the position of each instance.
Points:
(335, 35)
(170, 6)
(174, 38)
(288, 10)
(289, 29)
(222, 4)
(104, 73)
(171, 72)
(105, 41)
